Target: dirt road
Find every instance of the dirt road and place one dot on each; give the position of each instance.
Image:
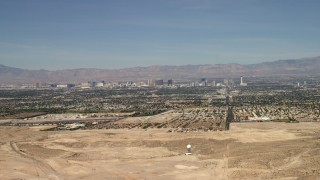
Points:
(41, 164)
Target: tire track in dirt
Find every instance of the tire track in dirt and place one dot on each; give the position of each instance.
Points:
(294, 160)
(46, 168)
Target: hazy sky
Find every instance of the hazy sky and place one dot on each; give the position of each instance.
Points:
(64, 34)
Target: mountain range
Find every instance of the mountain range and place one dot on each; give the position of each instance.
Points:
(297, 67)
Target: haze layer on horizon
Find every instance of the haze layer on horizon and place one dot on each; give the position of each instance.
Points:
(61, 34)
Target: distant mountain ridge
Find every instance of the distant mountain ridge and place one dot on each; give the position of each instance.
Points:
(299, 67)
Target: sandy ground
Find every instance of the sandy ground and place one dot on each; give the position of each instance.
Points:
(248, 151)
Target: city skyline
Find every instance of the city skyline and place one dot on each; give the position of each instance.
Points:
(119, 34)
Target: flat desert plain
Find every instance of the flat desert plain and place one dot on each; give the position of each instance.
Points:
(247, 151)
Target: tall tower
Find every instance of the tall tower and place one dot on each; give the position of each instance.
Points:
(241, 82)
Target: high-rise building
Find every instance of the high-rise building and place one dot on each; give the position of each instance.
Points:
(100, 84)
(129, 84)
(203, 82)
(242, 82)
(150, 82)
(158, 82)
(226, 82)
(170, 82)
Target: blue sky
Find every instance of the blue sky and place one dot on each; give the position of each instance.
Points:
(67, 34)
